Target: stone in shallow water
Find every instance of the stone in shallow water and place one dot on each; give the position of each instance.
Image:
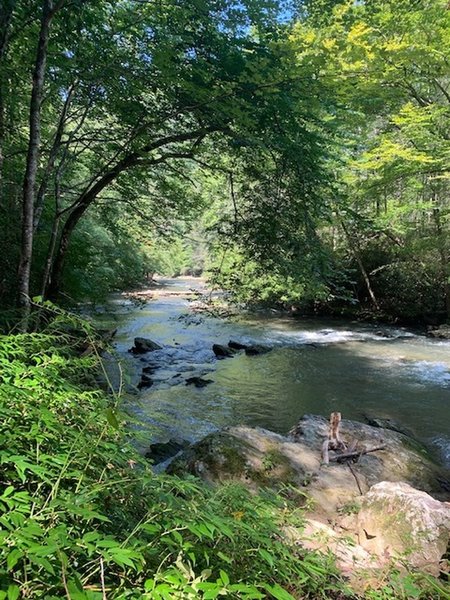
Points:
(237, 345)
(199, 382)
(145, 382)
(222, 351)
(257, 349)
(442, 332)
(143, 345)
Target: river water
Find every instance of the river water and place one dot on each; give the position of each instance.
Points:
(316, 366)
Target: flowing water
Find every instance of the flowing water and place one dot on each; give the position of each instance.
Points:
(316, 366)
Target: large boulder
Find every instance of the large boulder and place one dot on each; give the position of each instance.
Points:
(364, 522)
(398, 521)
(366, 512)
(257, 457)
(403, 459)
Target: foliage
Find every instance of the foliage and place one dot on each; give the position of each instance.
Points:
(83, 515)
(386, 66)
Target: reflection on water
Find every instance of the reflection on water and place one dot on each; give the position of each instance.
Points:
(316, 366)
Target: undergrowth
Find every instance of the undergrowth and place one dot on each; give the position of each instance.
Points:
(82, 516)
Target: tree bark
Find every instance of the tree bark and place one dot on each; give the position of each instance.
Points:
(34, 143)
(444, 257)
(356, 253)
(6, 13)
(40, 198)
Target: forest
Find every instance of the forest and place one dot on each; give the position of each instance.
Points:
(293, 153)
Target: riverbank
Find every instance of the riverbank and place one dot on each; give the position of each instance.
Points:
(84, 517)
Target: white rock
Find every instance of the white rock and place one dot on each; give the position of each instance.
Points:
(398, 521)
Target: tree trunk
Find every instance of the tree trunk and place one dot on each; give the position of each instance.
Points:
(40, 198)
(34, 144)
(53, 235)
(443, 257)
(6, 13)
(356, 253)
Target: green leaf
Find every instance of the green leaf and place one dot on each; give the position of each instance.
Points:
(112, 418)
(278, 592)
(266, 556)
(13, 558)
(13, 592)
(224, 577)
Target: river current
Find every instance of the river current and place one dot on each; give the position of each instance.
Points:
(316, 366)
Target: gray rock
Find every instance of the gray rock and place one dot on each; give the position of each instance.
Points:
(143, 345)
(442, 332)
(199, 382)
(256, 349)
(222, 351)
(145, 382)
(162, 451)
(404, 459)
(347, 503)
(398, 521)
(237, 345)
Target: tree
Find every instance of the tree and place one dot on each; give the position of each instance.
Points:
(141, 90)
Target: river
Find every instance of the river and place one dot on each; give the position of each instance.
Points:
(316, 366)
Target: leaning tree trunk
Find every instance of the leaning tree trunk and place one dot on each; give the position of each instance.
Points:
(89, 195)
(357, 254)
(34, 143)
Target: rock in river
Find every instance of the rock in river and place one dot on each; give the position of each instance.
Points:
(237, 345)
(365, 510)
(145, 382)
(143, 345)
(162, 451)
(256, 349)
(442, 332)
(199, 382)
(222, 351)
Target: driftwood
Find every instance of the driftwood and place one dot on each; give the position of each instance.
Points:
(336, 444)
(347, 455)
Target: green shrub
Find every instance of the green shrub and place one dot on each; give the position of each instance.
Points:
(82, 515)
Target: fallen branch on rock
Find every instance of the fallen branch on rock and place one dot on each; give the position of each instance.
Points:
(336, 444)
(348, 455)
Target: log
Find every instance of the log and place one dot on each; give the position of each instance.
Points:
(356, 454)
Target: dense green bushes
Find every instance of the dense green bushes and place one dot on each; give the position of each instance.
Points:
(83, 515)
